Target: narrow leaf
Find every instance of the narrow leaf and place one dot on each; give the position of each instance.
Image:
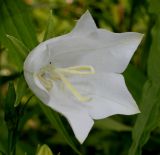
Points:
(20, 47)
(21, 50)
(148, 120)
(9, 105)
(10, 98)
(49, 33)
(15, 21)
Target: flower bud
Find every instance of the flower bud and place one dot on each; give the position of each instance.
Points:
(44, 150)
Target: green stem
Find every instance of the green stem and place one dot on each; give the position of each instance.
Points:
(10, 135)
(11, 143)
(12, 138)
(132, 13)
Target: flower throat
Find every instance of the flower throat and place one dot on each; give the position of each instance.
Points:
(48, 74)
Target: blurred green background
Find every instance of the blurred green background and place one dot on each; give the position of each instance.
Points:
(31, 21)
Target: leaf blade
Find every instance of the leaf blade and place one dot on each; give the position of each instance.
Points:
(148, 120)
(49, 33)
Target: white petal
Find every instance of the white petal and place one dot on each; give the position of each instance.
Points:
(62, 101)
(86, 45)
(109, 95)
(105, 51)
(84, 25)
(37, 58)
(35, 87)
(119, 49)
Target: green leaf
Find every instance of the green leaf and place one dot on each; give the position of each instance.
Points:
(54, 118)
(15, 21)
(111, 124)
(21, 90)
(153, 62)
(20, 47)
(10, 98)
(148, 120)
(49, 33)
(135, 80)
(21, 50)
(9, 105)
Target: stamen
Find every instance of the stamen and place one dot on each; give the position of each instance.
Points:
(48, 74)
(78, 70)
(47, 83)
(73, 89)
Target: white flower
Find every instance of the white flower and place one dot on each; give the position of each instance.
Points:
(78, 74)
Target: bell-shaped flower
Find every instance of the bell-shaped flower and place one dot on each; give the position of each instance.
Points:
(79, 74)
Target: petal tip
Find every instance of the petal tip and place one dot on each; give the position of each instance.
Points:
(84, 132)
(134, 110)
(85, 24)
(139, 36)
(137, 111)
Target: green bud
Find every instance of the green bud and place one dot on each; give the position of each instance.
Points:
(44, 150)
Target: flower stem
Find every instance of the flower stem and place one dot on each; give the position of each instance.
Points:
(11, 142)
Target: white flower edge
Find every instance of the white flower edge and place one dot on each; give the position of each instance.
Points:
(109, 53)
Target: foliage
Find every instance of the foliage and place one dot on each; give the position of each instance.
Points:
(26, 122)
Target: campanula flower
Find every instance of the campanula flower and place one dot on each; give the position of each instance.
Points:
(79, 74)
